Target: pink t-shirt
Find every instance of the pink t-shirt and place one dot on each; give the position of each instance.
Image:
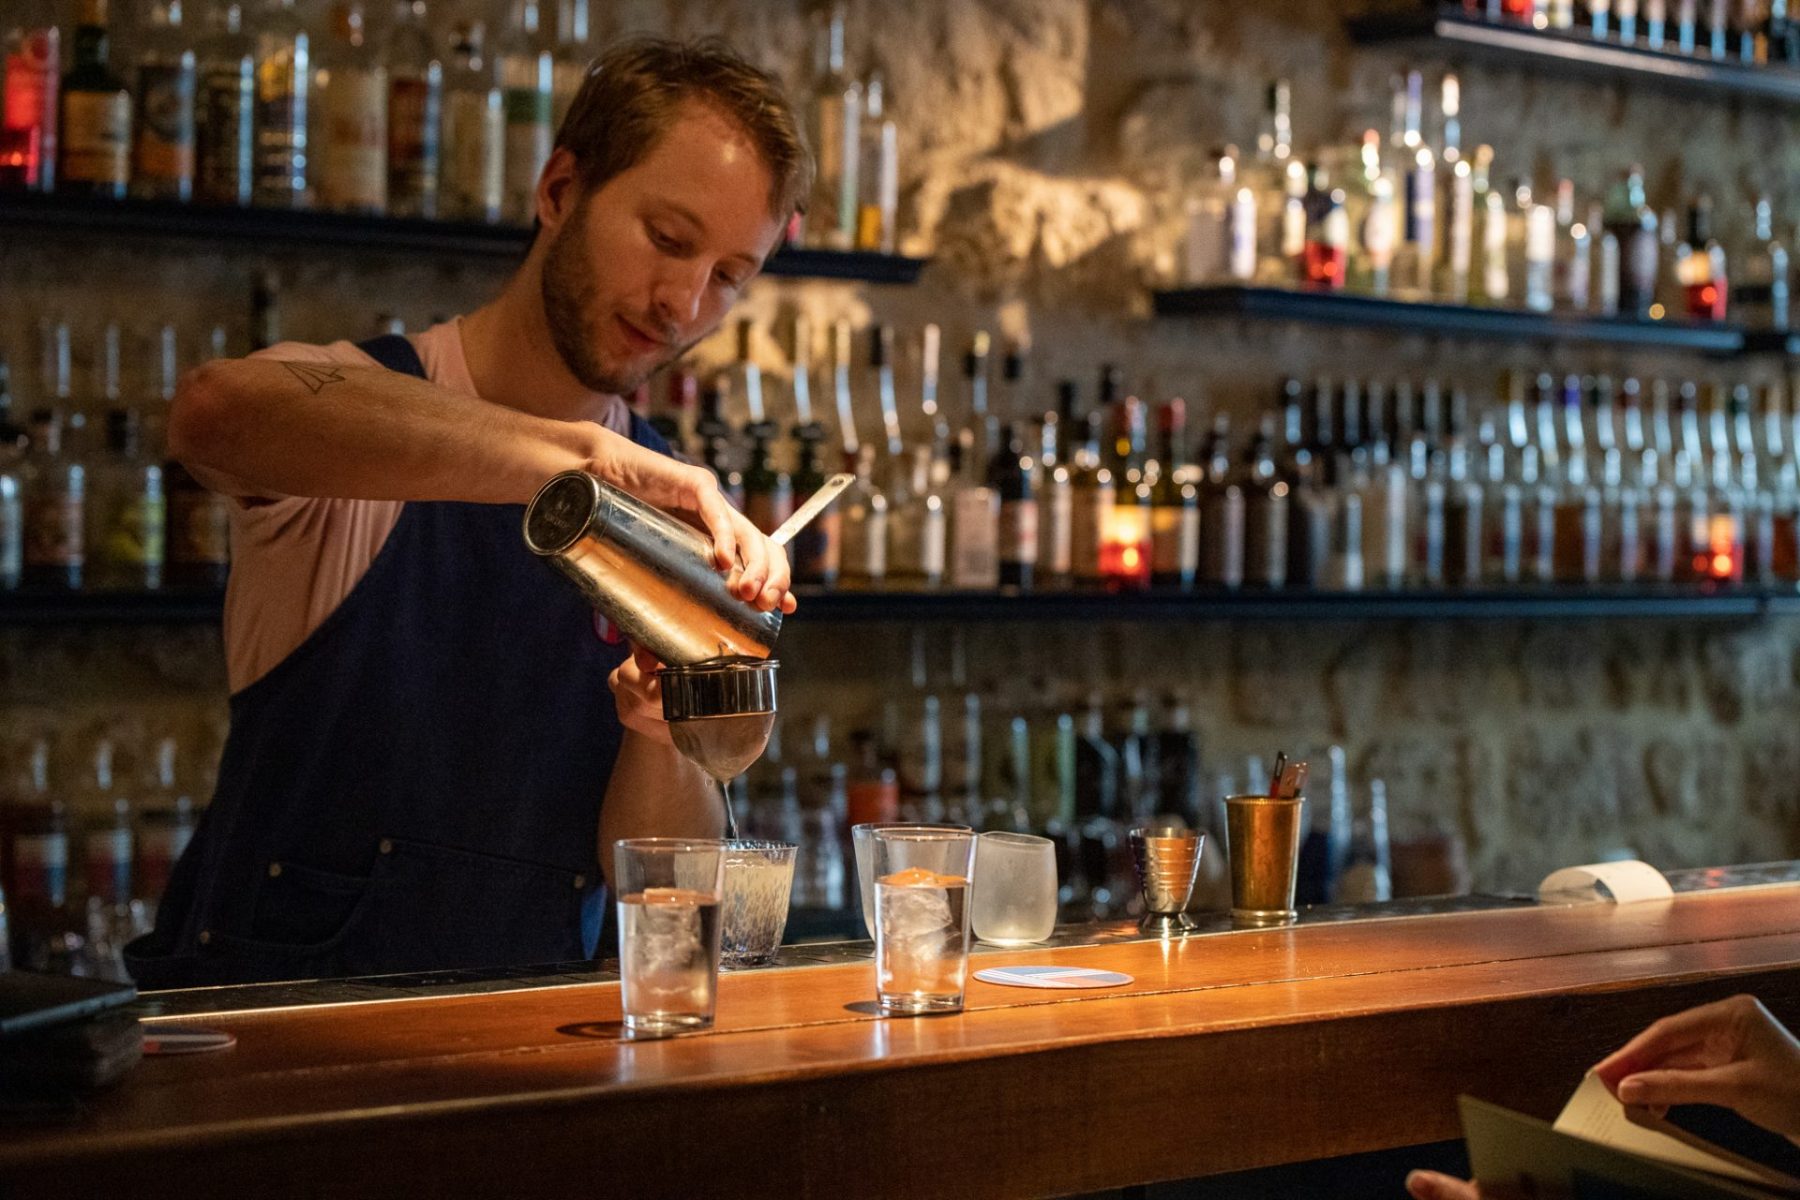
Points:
(295, 558)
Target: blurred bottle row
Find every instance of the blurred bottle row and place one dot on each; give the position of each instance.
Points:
(1753, 32)
(1416, 216)
(357, 108)
(1078, 765)
(84, 861)
(1338, 484)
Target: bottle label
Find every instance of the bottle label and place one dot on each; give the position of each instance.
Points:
(224, 134)
(108, 861)
(199, 527)
(41, 867)
(1019, 531)
(475, 154)
(53, 529)
(97, 137)
(281, 95)
(413, 147)
(165, 126)
(977, 555)
(134, 536)
(355, 151)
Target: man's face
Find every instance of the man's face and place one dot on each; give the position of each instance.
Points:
(651, 261)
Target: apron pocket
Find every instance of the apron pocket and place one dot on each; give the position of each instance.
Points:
(302, 906)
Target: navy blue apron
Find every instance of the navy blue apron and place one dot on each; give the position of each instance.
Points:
(418, 785)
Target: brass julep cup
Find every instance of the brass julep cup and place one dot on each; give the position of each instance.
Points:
(1263, 838)
(1167, 859)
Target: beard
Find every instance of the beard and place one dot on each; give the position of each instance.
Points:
(571, 298)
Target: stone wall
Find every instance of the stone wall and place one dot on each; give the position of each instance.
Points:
(1045, 146)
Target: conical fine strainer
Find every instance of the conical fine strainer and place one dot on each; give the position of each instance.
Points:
(1167, 858)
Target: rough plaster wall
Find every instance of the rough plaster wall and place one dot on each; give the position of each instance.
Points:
(1045, 144)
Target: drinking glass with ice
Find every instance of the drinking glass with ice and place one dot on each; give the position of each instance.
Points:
(921, 879)
(669, 891)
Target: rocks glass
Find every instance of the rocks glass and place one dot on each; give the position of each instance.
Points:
(1015, 889)
(759, 880)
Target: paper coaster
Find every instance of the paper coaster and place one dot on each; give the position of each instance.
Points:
(1052, 977)
(185, 1039)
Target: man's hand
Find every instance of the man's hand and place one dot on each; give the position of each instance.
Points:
(1733, 1053)
(638, 693)
(1435, 1185)
(759, 567)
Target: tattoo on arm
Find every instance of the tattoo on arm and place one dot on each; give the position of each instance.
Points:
(314, 376)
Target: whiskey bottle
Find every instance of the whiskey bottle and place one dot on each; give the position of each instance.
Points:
(162, 158)
(351, 86)
(225, 112)
(55, 496)
(474, 179)
(415, 114)
(1761, 300)
(96, 114)
(1175, 506)
(283, 159)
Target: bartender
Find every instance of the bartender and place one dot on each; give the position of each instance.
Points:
(434, 742)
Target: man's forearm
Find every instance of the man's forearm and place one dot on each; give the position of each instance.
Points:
(656, 792)
(267, 427)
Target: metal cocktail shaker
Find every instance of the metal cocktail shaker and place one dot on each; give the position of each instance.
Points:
(651, 575)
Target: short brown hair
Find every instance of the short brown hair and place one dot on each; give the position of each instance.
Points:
(634, 91)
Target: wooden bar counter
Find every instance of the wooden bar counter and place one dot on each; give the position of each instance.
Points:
(1227, 1052)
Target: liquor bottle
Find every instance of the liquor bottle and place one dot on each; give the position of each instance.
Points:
(106, 842)
(528, 77)
(1220, 239)
(474, 180)
(865, 524)
(1310, 501)
(284, 167)
(1539, 252)
(746, 375)
(1373, 210)
(1416, 258)
(817, 549)
(225, 112)
(37, 866)
(1223, 513)
(126, 512)
(1125, 548)
(878, 171)
(415, 114)
(54, 503)
(12, 512)
(31, 69)
(768, 491)
(975, 503)
(1701, 271)
(1267, 179)
(573, 57)
(1327, 247)
(162, 158)
(1761, 299)
(1632, 222)
(96, 114)
(1456, 199)
(1175, 504)
(836, 136)
(1094, 496)
(1574, 252)
(350, 90)
(1384, 496)
(1495, 282)
(1655, 14)
(1265, 511)
(1718, 28)
(1010, 477)
(1055, 483)
(165, 825)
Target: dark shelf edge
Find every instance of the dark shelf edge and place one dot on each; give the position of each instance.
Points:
(1577, 54)
(300, 230)
(1438, 319)
(26, 608)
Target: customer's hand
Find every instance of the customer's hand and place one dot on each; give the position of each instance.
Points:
(759, 567)
(1434, 1185)
(1733, 1053)
(638, 693)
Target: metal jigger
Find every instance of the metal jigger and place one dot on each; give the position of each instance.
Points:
(1167, 858)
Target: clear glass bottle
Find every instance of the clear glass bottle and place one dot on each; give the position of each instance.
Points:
(865, 515)
(573, 56)
(162, 157)
(1494, 275)
(96, 114)
(1265, 511)
(225, 111)
(1219, 242)
(1267, 178)
(127, 512)
(1705, 289)
(283, 47)
(835, 130)
(415, 113)
(31, 68)
(1094, 496)
(474, 180)
(351, 92)
(1175, 505)
(1055, 484)
(878, 171)
(528, 77)
(54, 501)
(1633, 224)
(1761, 299)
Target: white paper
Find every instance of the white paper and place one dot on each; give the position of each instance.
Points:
(1598, 883)
(1593, 1113)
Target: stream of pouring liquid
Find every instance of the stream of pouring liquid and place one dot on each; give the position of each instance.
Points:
(731, 829)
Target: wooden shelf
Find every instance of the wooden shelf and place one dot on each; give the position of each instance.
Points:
(1444, 320)
(289, 231)
(1576, 55)
(818, 607)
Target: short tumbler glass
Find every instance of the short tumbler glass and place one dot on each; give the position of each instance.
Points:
(921, 919)
(862, 841)
(759, 880)
(668, 891)
(1015, 888)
